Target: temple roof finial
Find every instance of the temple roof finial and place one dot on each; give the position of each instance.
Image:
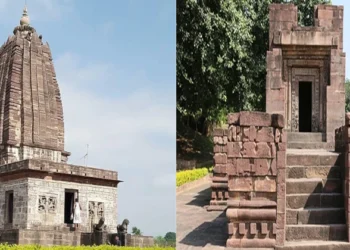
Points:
(25, 21)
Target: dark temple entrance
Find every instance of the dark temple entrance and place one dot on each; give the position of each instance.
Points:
(305, 106)
(69, 197)
(68, 200)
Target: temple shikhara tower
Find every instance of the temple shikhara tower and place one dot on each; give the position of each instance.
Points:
(31, 120)
(37, 186)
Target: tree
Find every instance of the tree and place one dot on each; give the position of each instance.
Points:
(347, 95)
(136, 231)
(168, 240)
(159, 241)
(212, 42)
(221, 57)
(170, 237)
(306, 10)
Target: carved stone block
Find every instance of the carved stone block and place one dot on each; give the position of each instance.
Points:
(265, 134)
(96, 210)
(234, 149)
(220, 158)
(47, 204)
(244, 184)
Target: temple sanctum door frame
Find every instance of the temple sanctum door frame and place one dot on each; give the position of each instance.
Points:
(296, 76)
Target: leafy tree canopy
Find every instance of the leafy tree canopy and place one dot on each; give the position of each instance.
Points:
(168, 240)
(170, 237)
(221, 56)
(347, 95)
(136, 231)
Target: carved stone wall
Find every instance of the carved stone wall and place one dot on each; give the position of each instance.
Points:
(96, 211)
(40, 204)
(255, 166)
(219, 193)
(94, 200)
(311, 54)
(20, 209)
(47, 203)
(250, 161)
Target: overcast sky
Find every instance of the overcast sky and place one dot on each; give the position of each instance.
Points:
(115, 64)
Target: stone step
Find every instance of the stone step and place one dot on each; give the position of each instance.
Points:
(297, 201)
(315, 216)
(310, 145)
(314, 245)
(323, 172)
(316, 232)
(313, 186)
(310, 157)
(304, 137)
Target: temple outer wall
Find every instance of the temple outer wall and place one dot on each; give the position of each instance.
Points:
(87, 193)
(27, 193)
(20, 201)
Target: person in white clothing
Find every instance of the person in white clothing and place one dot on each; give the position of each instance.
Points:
(76, 213)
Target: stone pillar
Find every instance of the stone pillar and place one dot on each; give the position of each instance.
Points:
(336, 93)
(219, 194)
(281, 17)
(331, 17)
(275, 89)
(255, 158)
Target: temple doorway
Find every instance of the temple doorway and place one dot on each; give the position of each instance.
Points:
(305, 106)
(69, 197)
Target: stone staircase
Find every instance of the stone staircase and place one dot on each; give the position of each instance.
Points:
(315, 215)
(307, 141)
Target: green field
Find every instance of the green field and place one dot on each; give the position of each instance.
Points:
(183, 177)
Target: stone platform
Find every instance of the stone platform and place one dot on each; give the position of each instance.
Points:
(316, 245)
(41, 237)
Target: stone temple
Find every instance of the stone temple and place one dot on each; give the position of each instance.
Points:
(37, 186)
(283, 177)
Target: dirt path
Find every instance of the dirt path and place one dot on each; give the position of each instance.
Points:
(197, 228)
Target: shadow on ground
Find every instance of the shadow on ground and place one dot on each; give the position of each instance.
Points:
(201, 199)
(213, 233)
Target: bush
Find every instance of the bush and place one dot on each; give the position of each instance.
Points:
(186, 176)
(102, 247)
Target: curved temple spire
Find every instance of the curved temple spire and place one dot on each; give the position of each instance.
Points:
(31, 113)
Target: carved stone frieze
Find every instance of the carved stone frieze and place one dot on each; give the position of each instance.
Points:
(96, 210)
(47, 204)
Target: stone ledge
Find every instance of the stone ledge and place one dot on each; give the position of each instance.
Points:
(315, 245)
(58, 171)
(253, 118)
(311, 38)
